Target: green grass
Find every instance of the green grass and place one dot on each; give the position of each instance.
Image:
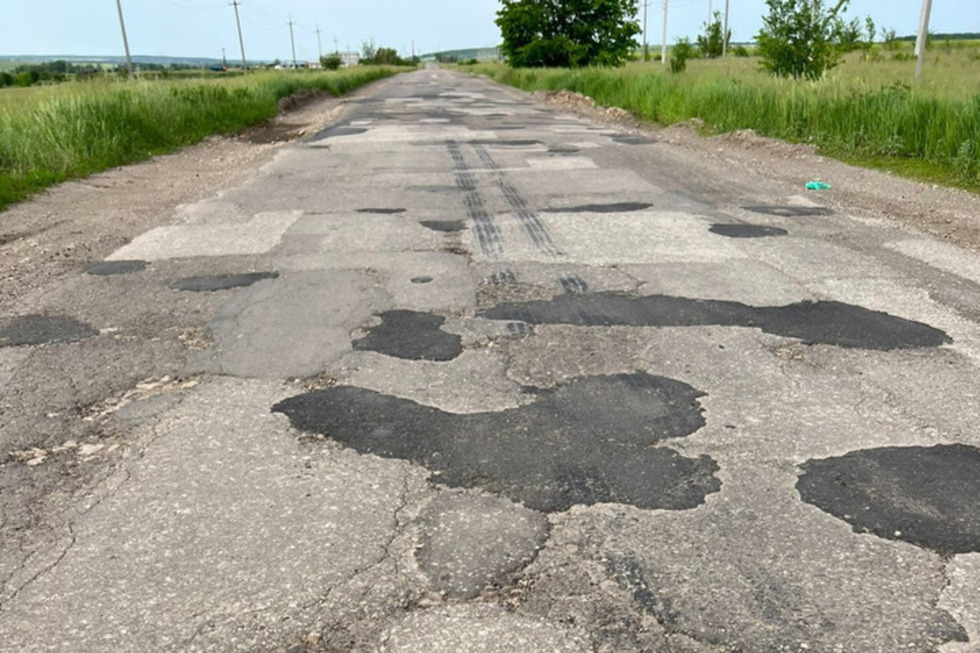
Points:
(51, 134)
(868, 110)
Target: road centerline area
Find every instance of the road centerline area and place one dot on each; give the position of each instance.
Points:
(463, 364)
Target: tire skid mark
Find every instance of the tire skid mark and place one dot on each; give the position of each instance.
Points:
(487, 233)
(533, 227)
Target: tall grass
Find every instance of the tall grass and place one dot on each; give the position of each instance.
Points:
(847, 115)
(80, 128)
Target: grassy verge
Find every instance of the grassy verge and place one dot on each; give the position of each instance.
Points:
(52, 134)
(860, 113)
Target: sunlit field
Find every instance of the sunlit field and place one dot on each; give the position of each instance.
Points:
(868, 110)
(53, 133)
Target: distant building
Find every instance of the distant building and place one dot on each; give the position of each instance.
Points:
(350, 59)
(452, 56)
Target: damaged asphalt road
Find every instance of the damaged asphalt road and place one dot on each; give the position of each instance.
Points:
(463, 373)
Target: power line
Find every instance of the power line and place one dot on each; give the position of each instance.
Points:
(122, 25)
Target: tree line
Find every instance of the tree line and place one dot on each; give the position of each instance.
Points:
(798, 39)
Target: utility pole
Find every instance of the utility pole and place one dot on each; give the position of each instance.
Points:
(710, 13)
(122, 25)
(224, 59)
(663, 46)
(646, 48)
(920, 42)
(241, 41)
(724, 34)
(292, 42)
(336, 44)
(319, 43)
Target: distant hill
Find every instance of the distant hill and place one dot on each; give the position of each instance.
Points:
(203, 62)
(962, 36)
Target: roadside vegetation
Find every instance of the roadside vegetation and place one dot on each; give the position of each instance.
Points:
(865, 111)
(54, 133)
(812, 77)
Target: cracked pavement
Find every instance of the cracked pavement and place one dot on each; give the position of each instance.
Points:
(462, 373)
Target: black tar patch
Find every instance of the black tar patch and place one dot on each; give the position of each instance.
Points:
(587, 442)
(829, 323)
(221, 281)
(444, 226)
(412, 336)
(44, 330)
(790, 211)
(746, 231)
(926, 496)
(619, 207)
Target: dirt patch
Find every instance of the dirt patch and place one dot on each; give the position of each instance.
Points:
(585, 106)
(946, 213)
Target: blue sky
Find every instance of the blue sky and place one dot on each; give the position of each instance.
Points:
(203, 27)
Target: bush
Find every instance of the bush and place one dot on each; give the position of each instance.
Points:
(27, 78)
(710, 43)
(6, 79)
(679, 54)
(332, 62)
(740, 51)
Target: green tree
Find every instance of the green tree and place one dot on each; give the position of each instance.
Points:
(568, 33)
(849, 36)
(710, 43)
(801, 38)
(870, 29)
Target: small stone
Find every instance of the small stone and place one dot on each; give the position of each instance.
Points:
(88, 450)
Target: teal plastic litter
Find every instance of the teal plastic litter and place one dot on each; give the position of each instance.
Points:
(817, 185)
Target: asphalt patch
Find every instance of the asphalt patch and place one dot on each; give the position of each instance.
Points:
(823, 322)
(382, 211)
(746, 231)
(435, 189)
(412, 336)
(790, 211)
(618, 207)
(444, 226)
(111, 268)
(44, 330)
(221, 281)
(633, 140)
(927, 496)
(590, 441)
(505, 143)
(333, 132)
